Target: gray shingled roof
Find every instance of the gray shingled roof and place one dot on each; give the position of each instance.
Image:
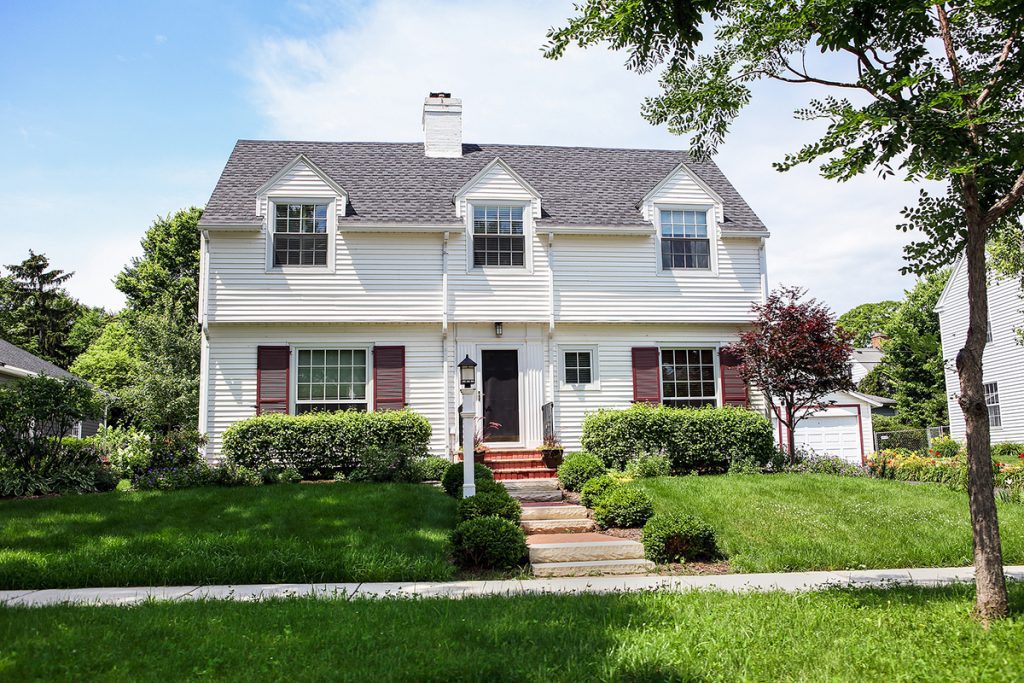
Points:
(18, 357)
(395, 182)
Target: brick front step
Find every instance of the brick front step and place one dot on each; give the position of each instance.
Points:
(501, 455)
(512, 463)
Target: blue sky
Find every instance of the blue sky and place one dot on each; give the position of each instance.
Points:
(113, 114)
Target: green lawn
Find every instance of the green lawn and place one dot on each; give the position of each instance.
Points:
(282, 533)
(772, 523)
(899, 634)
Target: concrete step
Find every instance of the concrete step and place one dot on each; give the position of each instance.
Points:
(557, 526)
(563, 511)
(539, 485)
(582, 547)
(536, 495)
(593, 568)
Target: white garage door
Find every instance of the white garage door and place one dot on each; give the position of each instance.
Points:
(830, 435)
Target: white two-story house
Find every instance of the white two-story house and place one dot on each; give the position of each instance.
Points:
(357, 275)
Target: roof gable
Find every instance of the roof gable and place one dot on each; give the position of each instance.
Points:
(682, 168)
(494, 181)
(300, 160)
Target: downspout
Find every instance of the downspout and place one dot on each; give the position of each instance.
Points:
(552, 354)
(444, 342)
(763, 262)
(204, 341)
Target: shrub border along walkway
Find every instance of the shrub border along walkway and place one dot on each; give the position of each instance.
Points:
(791, 582)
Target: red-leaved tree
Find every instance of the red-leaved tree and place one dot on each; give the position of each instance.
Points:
(795, 355)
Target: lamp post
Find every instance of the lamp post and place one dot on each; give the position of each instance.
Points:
(467, 377)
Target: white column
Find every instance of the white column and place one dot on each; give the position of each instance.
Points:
(468, 432)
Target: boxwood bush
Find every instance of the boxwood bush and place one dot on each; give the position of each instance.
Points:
(320, 444)
(577, 468)
(625, 506)
(701, 440)
(647, 466)
(678, 538)
(488, 543)
(490, 503)
(451, 481)
(431, 468)
(595, 489)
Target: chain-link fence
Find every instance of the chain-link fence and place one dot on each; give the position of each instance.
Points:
(913, 439)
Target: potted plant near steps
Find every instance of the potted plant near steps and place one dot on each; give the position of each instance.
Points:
(551, 451)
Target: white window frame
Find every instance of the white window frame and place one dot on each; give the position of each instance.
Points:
(994, 393)
(293, 371)
(691, 347)
(332, 232)
(528, 231)
(713, 239)
(595, 376)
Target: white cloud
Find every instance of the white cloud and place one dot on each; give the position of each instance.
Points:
(367, 80)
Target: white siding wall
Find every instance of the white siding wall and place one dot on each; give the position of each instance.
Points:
(1004, 358)
(497, 185)
(232, 369)
(680, 189)
(300, 181)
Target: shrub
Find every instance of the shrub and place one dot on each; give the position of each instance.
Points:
(647, 466)
(678, 538)
(126, 449)
(431, 468)
(320, 444)
(825, 464)
(171, 478)
(1008, 452)
(595, 489)
(577, 468)
(490, 504)
(379, 464)
(230, 474)
(624, 506)
(289, 475)
(945, 447)
(488, 543)
(451, 481)
(701, 440)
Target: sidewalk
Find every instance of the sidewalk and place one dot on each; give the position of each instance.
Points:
(787, 582)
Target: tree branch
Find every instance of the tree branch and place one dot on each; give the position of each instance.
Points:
(1003, 56)
(998, 209)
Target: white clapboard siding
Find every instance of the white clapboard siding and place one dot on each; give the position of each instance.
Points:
(680, 189)
(1003, 362)
(499, 294)
(232, 368)
(494, 186)
(299, 181)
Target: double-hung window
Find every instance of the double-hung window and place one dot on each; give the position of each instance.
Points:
(685, 243)
(330, 379)
(498, 236)
(995, 417)
(300, 234)
(579, 367)
(688, 378)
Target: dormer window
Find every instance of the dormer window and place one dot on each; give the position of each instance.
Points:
(684, 240)
(498, 237)
(300, 234)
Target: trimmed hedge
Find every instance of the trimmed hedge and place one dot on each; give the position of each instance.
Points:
(701, 440)
(452, 479)
(490, 504)
(624, 507)
(595, 489)
(578, 468)
(431, 468)
(488, 543)
(320, 444)
(678, 538)
(649, 466)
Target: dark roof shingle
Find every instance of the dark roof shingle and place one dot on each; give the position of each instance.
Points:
(17, 357)
(395, 182)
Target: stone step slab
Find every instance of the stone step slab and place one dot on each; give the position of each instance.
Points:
(536, 495)
(564, 511)
(583, 547)
(593, 568)
(557, 526)
(539, 485)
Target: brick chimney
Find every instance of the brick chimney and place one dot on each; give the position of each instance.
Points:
(877, 338)
(442, 125)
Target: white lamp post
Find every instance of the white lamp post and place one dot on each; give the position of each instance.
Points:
(467, 376)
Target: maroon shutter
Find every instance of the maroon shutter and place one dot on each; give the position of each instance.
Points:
(388, 377)
(272, 379)
(646, 375)
(734, 389)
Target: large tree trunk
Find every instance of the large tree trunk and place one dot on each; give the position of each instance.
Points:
(991, 598)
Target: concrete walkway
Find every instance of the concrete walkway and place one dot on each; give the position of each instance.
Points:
(788, 582)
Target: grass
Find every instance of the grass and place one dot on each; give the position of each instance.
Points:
(772, 523)
(890, 635)
(283, 533)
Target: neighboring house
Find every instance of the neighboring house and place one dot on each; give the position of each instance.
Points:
(358, 275)
(1003, 362)
(864, 360)
(16, 362)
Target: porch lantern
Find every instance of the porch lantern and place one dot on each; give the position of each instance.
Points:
(497, 329)
(467, 372)
(467, 376)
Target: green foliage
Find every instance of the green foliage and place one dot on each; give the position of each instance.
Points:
(866, 319)
(649, 465)
(888, 423)
(431, 468)
(596, 488)
(319, 444)
(88, 327)
(578, 468)
(624, 507)
(678, 538)
(111, 361)
(173, 478)
(824, 464)
(289, 475)
(36, 312)
(490, 504)
(1007, 452)
(168, 270)
(694, 440)
(232, 474)
(877, 383)
(488, 543)
(451, 480)
(945, 447)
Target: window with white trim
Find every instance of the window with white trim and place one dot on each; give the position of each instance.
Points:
(578, 367)
(498, 236)
(688, 378)
(685, 243)
(995, 418)
(327, 380)
(300, 234)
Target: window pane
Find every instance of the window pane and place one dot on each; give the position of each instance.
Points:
(304, 357)
(571, 376)
(584, 376)
(688, 377)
